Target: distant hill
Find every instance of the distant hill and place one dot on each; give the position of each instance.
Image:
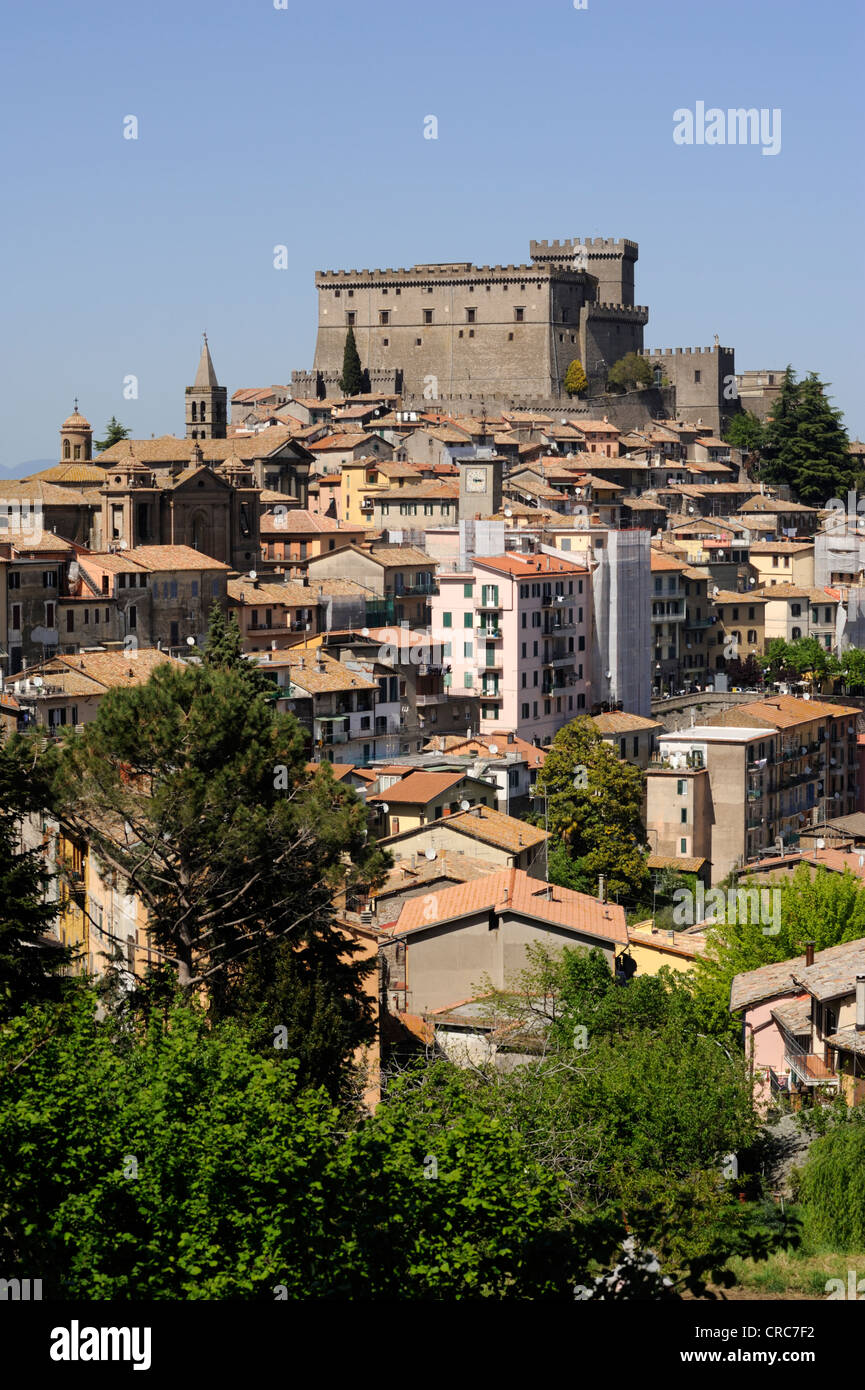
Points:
(23, 470)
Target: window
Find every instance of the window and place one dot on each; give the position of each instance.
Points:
(384, 317)
(448, 619)
(752, 634)
(14, 581)
(468, 590)
(471, 315)
(49, 579)
(468, 679)
(796, 610)
(683, 846)
(132, 618)
(49, 615)
(172, 589)
(524, 711)
(214, 588)
(683, 815)
(636, 748)
(467, 619)
(519, 315)
(70, 620)
(682, 787)
(697, 377)
(797, 633)
(427, 315)
(467, 650)
(523, 651)
(350, 317)
(194, 587)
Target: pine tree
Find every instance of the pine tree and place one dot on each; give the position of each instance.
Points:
(576, 381)
(806, 446)
(30, 964)
(351, 381)
(114, 432)
(223, 650)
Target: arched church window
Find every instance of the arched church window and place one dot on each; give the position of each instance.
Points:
(194, 411)
(202, 412)
(67, 453)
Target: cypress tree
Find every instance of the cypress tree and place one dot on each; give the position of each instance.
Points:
(351, 381)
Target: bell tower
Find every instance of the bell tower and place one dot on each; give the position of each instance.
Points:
(206, 402)
(76, 438)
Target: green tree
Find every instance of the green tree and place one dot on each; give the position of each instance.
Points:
(198, 793)
(831, 1186)
(806, 445)
(815, 905)
(176, 1162)
(351, 381)
(114, 432)
(744, 431)
(576, 381)
(223, 650)
(630, 373)
(594, 813)
(853, 667)
(31, 962)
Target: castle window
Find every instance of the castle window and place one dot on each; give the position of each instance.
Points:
(384, 317)
(564, 316)
(351, 294)
(561, 337)
(202, 412)
(471, 332)
(519, 314)
(350, 318)
(67, 453)
(78, 451)
(697, 377)
(194, 410)
(337, 293)
(471, 314)
(461, 332)
(384, 291)
(429, 289)
(427, 315)
(397, 291)
(417, 342)
(510, 337)
(385, 342)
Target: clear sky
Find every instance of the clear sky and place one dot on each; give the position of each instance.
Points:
(304, 126)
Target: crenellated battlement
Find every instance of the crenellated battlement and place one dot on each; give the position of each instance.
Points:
(683, 352)
(633, 312)
(423, 273)
(597, 245)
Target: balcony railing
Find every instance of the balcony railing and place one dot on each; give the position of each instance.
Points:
(416, 590)
(809, 1068)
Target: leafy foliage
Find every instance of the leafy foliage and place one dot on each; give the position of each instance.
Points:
(596, 827)
(630, 372)
(832, 1185)
(30, 967)
(744, 431)
(576, 381)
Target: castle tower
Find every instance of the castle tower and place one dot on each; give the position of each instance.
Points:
(76, 439)
(206, 402)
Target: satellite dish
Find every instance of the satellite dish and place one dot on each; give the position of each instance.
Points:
(122, 545)
(608, 674)
(364, 632)
(508, 511)
(430, 853)
(464, 805)
(385, 807)
(862, 861)
(190, 641)
(38, 682)
(494, 748)
(821, 844)
(252, 574)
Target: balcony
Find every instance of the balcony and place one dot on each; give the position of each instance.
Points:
(809, 1068)
(420, 590)
(493, 633)
(487, 604)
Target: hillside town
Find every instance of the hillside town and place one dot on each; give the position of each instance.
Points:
(557, 661)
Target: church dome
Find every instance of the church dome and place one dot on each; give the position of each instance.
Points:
(75, 422)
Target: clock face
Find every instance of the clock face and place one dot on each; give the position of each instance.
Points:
(476, 480)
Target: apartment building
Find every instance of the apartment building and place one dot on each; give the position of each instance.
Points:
(782, 562)
(183, 586)
(668, 617)
(517, 630)
(400, 573)
(290, 538)
(739, 627)
(793, 612)
(272, 616)
(347, 714)
(66, 691)
(33, 577)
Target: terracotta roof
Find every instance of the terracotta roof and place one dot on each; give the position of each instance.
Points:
(95, 672)
(794, 1015)
(394, 556)
(489, 826)
(164, 558)
(620, 722)
(418, 788)
(785, 711)
(685, 864)
(833, 973)
(461, 868)
(480, 747)
(167, 448)
(69, 473)
(514, 891)
(244, 591)
(335, 675)
(433, 490)
(303, 521)
(112, 562)
(340, 441)
(521, 568)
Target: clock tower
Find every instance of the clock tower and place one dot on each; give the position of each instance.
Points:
(480, 487)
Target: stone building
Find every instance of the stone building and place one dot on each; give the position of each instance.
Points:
(206, 402)
(704, 380)
(456, 330)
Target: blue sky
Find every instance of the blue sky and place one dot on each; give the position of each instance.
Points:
(304, 127)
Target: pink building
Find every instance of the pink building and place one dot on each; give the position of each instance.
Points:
(517, 630)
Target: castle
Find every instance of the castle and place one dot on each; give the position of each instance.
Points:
(455, 332)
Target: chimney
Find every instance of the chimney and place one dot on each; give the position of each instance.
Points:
(860, 1003)
(601, 889)
(809, 953)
